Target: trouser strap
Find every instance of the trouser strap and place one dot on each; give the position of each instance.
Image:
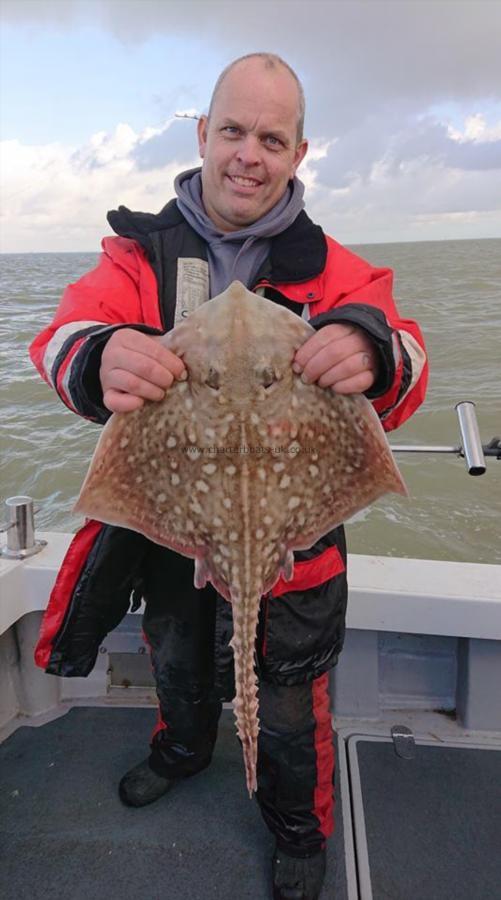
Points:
(296, 764)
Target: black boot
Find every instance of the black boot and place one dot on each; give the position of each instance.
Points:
(142, 785)
(296, 878)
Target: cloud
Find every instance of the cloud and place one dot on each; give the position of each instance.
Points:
(362, 61)
(432, 140)
(476, 129)
(174, 143)
(55, 197)
(419, 184)
(384, 163)
(355, 48)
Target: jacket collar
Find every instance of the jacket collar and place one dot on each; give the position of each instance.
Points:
(297, 254)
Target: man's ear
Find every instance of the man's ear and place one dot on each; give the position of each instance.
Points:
(202, 127)
(301, 151)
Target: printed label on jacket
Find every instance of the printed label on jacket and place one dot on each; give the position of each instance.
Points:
(192, 288)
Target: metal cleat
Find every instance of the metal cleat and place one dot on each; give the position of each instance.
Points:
(20, 529)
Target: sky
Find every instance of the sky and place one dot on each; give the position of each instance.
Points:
(403, 111)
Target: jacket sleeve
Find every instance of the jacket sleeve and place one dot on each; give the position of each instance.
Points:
(68, 352)
(361, 294)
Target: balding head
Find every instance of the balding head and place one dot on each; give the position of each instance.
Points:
(271, 62)
(249, 142)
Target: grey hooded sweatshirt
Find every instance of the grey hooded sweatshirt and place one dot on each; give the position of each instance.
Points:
(235, 255)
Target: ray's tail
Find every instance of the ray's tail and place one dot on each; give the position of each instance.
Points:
(245, 703)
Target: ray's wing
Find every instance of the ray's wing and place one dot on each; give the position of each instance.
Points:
(143, 473)
(341, 462)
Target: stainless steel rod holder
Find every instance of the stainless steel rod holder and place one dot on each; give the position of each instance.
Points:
(470, 437)
(20, 529)
(471, 448)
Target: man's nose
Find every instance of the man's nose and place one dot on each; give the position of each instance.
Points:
(249, 150)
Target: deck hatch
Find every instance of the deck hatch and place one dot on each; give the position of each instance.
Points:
(426, 826)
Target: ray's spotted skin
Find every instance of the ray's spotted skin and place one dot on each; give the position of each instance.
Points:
(240, 465)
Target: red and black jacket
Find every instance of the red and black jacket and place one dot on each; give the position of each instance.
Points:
(135, 285)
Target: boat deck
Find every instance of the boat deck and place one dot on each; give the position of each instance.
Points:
(426, 827)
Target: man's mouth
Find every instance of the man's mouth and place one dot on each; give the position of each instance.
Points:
(244, 182)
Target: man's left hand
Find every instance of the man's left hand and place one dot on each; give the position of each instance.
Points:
(339, 356)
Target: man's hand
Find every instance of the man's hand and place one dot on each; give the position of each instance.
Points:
(342, 357)
(136, 367)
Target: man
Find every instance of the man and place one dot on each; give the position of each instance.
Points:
(240, 217)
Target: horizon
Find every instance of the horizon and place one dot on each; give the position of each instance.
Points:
(348, 245)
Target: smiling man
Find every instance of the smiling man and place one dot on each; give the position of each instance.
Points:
(251, 151)
(239, 217)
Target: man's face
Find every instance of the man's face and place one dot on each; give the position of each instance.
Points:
(249, 145)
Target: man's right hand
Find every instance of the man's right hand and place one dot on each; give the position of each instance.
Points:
(136, 367)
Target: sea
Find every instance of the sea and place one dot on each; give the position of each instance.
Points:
(452, 288)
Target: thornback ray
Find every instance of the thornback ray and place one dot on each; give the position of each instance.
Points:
(239, 465)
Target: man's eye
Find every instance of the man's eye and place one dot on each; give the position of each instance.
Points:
(272, 140)
(231, 129)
